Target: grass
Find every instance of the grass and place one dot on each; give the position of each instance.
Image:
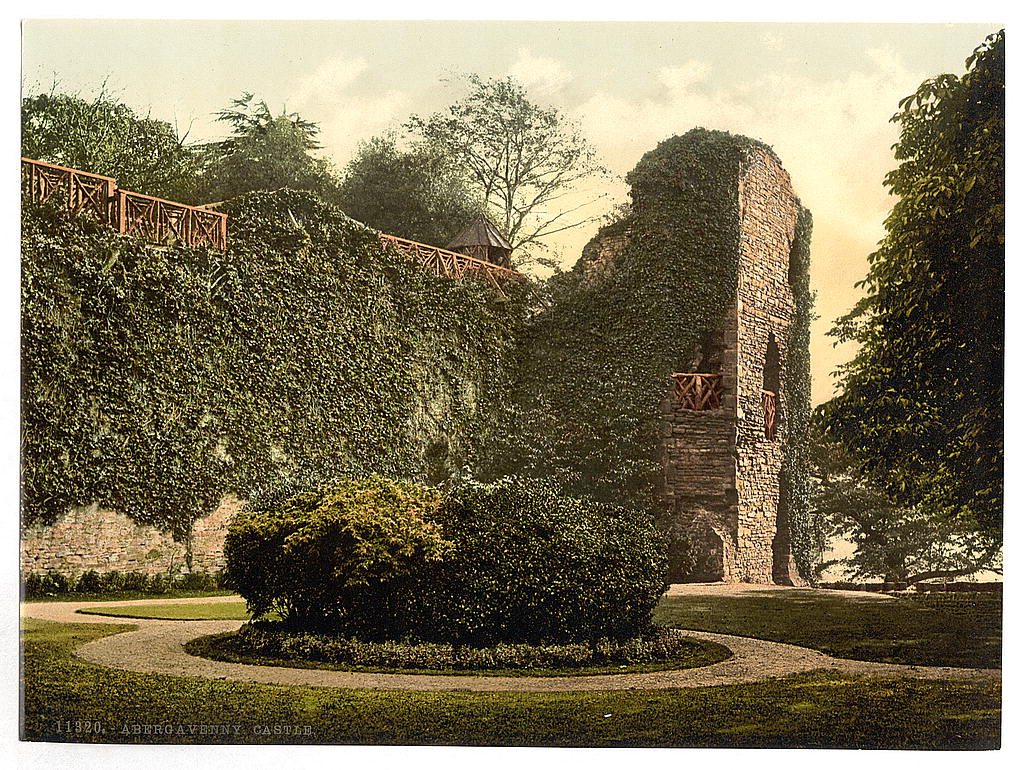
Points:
(198, 611)
(963, 630)
(114, 596)
(218, 647)
(68, 699)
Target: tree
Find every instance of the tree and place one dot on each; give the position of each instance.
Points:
(895, 543)
(265, 152)
(920, 408)
(419, 194)
(104, 136)
(522, 159)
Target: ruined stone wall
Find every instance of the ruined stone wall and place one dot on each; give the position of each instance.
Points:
(721, 476)
(599, 255)
(92, 538)
(768, 214)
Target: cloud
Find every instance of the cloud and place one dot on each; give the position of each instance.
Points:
(540, 75)
(331, 79)
(347, 109)
(677, 80)
(833, 136)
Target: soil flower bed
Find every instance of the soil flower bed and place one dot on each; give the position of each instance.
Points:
(266, 643)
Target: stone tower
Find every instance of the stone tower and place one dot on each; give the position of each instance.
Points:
(724, 423)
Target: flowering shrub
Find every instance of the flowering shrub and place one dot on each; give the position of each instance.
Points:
(330, 556)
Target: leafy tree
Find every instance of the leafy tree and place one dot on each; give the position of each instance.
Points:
(522, 159)
(265, 152)
(920, 408)
(418, 194)
(892, 542)
(104, 136)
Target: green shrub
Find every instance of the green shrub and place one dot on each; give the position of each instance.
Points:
(267, 639)
(134, 581)
(112, 581)
(528, 564)
(512, 561)
(330, 557)
(31, 585)
(197, 581)
(157, 584)
(90, 582)
(37, 585)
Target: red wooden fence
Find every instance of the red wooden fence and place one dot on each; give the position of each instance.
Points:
(450, 263)
(697, 391)
(169, 223)
(154, 219)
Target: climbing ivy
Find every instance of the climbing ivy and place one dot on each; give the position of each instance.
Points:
(794, 492)
(596, 364)
(156, 380)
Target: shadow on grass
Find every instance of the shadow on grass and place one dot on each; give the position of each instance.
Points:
(962, 630)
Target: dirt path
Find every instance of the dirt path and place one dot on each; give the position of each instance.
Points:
(155, 647)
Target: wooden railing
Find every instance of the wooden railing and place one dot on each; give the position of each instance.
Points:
(697, 391)
(154, 219)
(169, 223)
(771, 414)
(450, 263)
(81, 192)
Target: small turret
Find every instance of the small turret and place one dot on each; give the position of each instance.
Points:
(482, 240)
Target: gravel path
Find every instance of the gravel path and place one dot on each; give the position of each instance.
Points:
(155, 647)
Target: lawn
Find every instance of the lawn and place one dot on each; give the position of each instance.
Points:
(932, 630)
(68, 699)
(197, 611)
(114, 596)
(962, 630)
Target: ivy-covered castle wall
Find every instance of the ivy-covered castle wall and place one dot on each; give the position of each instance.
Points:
(708, 274)
(158, 382)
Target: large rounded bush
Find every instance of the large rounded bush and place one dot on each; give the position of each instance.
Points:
(528, 564)
(513, 561)
(328, 558)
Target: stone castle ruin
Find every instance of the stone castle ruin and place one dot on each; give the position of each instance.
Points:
(723, 422)
(723, 466)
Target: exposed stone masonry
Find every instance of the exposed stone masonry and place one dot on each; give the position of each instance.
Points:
(765, 307)
(91, 538)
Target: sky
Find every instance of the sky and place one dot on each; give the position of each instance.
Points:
(820, 94)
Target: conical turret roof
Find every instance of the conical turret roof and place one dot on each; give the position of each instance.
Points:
(479, 232)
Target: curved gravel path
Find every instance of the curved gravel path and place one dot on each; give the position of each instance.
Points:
(155, 647)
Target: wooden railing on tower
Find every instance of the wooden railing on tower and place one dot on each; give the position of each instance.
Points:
(154, 219)
(771, 414)
(450, 263)
(697, 391)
